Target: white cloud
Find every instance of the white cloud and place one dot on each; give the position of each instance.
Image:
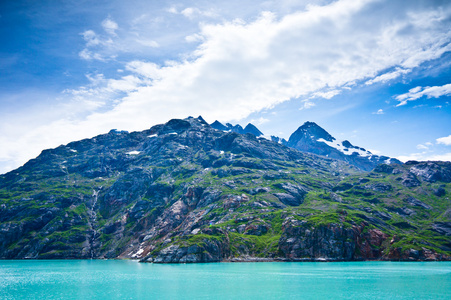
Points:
(241, 67)
(259, 121)
(189, 12)
(442, 157)
(429, 91)
(194, 38)
(89, 55)
(307, 105)
(424, 156)
(91, 38)
(110, 26)
(192, 12)
(172, 10)
(325, 95)
(444, 140)
(379, 112)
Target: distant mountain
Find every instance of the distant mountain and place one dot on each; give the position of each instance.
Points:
(218, 125)
(186, 192)
(237, 128)
(252, 130)
(313, 139)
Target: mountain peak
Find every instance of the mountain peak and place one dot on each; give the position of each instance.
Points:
(309, 124)
(201, 120)
(310, 131)
(218, 125)
(250, 128)
(312, 138)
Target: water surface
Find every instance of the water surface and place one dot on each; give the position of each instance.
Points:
(115, 279)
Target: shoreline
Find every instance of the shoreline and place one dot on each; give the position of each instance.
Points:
(233, 260)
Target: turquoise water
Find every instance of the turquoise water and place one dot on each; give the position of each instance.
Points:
(97, 279)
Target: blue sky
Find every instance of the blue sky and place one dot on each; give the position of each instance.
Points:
(375, 72)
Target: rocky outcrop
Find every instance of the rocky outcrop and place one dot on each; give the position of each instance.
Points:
(431, 171)
(213, 247)
(331, 242)
(442, 228)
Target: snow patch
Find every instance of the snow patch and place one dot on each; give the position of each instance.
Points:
(345, 150)
(139, 252)
(72, 150)
(152, 135)
(221, 152)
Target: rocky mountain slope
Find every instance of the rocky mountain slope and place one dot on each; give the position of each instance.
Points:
(186, 192)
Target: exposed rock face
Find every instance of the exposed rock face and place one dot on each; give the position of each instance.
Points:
(186, 192)
(297, 191)
(208, 251)
(301, 241)
(442, 227)
(410, 180)
(430, 171)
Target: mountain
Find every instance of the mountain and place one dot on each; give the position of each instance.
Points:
(186, 192)
(313, 139)
(237, 128)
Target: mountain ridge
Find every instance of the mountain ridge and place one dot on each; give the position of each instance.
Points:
(186, 192)
(312, 138)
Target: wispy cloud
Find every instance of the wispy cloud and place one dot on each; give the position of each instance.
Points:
(422, 147)
(193, 12)
(429, 92)
(240, 67)
(272, 59)
(388, 76)
(105, 47)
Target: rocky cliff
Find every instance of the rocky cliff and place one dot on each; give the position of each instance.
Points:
(187, 192)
